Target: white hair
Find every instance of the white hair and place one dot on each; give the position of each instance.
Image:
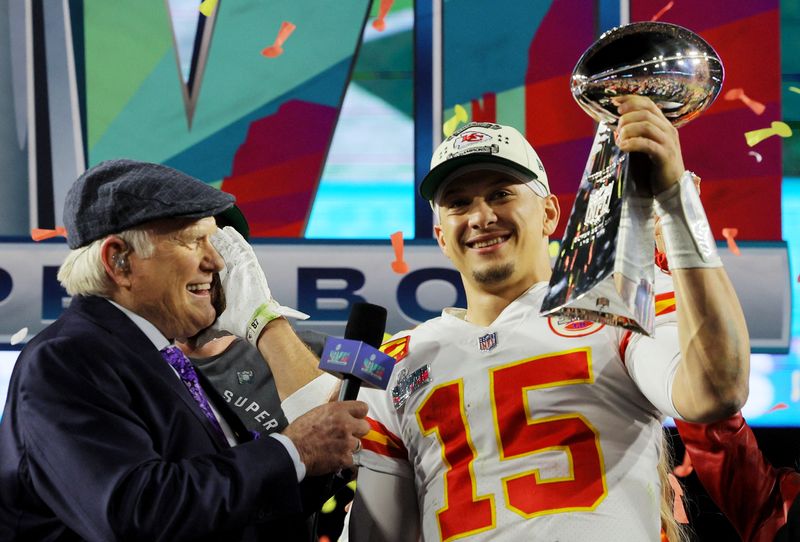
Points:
(82, 272)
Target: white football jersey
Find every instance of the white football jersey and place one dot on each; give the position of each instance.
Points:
(529, 429)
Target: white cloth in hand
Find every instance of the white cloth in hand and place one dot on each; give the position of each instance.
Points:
(249, 305)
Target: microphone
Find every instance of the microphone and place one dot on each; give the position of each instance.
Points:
(356, 358)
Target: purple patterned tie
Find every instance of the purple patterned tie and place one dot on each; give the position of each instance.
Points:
(178, 361)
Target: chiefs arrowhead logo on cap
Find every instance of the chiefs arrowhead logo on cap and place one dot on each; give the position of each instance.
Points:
(470, 137)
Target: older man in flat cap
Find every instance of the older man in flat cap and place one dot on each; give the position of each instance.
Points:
(109, 432)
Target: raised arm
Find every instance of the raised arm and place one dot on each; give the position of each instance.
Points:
(252, 313)
(711, 381)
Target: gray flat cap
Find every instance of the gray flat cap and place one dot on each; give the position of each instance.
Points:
(119, 194)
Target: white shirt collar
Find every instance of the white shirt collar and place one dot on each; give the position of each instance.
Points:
(156, 337)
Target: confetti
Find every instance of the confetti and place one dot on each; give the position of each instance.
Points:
(553, 248)
(794, 89)
(40, 234)
(662, 11)
(757, 156)
(19, 336)
(398, 265)
(379, 23)
(684, 469)
(755, 137)
(779, 406)
(738, 94)
(677, 508)
(207, 7)
(329, 506)
(460, 116)
(729, 234)
(276, 49)
(795, 386)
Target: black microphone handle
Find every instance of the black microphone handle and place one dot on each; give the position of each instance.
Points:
(349, 389)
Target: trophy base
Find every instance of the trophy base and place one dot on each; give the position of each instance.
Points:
(605, 269)
(615, 301)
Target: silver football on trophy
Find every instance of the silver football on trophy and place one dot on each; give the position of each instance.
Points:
(669, 64)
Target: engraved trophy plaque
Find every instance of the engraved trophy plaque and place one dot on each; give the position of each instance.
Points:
(602, 274)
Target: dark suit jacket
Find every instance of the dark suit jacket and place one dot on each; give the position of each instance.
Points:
(101, 441)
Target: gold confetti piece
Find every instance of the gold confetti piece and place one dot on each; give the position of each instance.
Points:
(755, 137)
(207, 7)
(452, 123)
(553, 248)
(329, 506)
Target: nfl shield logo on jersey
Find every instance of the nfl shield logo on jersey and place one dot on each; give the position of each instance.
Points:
(488, 341)
(245, 377)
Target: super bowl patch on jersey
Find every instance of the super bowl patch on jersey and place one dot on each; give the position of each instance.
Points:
(566, 326)
(408, 383)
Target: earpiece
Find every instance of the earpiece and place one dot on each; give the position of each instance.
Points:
(120, 261)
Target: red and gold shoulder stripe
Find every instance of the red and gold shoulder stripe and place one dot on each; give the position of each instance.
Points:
(665, 303)
(397, 348)
(382, 441)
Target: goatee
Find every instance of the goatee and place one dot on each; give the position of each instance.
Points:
(494, 274)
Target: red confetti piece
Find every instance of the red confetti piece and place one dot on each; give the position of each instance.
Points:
(276, 49)
(662, 11)
(729, 234)
(684, 469)
(379, 23)
(779, 406)
(40, 234)
(398, 265)
(738, 94)
(677, 507)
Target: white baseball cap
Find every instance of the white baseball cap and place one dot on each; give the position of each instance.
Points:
(483, 142)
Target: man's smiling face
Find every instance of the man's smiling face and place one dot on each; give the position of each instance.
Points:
(172, 288)
(492, 227)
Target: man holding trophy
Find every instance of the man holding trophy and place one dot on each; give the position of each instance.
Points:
(500, 423)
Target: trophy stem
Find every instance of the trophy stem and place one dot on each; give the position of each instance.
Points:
(605, 269)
